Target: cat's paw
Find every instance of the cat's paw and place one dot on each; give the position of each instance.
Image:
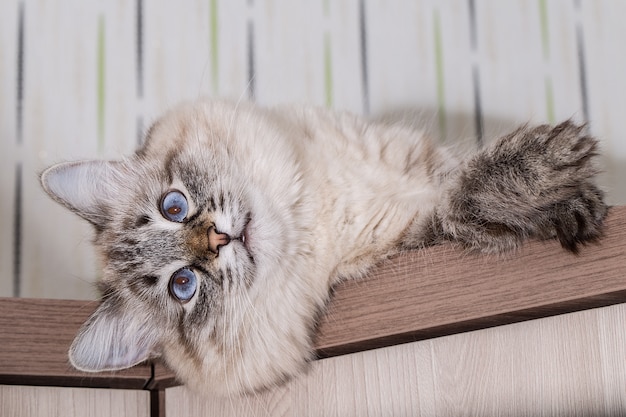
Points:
(579, 219)
(555, 175)
(535, 182)
(546, 163)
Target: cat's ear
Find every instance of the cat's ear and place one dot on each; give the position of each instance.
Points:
(86, 187)
(114, 338)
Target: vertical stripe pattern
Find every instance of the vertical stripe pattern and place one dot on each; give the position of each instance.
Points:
(545, 46)
(363, 50)
(101, 66)
(139, 45)
(20, 73)
(139, 62)
(472, 23)
(251, 64)
(478, 112)
(441, 98)
(19, 127)
(582, 72)
(214, 45)
(543, 19)
(17, 232)
(328, 64)
(84, 80)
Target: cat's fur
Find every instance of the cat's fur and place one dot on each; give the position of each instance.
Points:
(322, 197)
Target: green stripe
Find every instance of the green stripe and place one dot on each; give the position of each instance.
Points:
(441, 105)
(543, 17)
(213, 41)
(328, 71)
(545, 44)
(101, 81)
(326, 8)
(549, 100)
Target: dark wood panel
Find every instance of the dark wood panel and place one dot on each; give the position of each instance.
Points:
(413, 296)
(162, 378)
(35, 335)
(441, 291)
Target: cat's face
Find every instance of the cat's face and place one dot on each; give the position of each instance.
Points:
(202, 234)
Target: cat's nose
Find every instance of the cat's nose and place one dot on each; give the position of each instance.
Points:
(217, 239)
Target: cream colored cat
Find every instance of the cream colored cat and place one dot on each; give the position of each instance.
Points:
(222, 236)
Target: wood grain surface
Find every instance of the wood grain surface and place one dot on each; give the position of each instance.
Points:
(441, 290)
(36, 335)
(571, 365)
(27, 401)
(414, 296)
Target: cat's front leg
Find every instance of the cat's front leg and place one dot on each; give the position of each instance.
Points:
(533, 183)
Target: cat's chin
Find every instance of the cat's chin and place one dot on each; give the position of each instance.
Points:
(225, 375)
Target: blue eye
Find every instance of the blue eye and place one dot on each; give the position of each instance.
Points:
(183, 284)
(174, 206)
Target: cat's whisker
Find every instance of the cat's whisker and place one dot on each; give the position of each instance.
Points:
(247, 89)
(227, 378)
(235, 114)
(248, 379)
(226, 343)
(244, 377)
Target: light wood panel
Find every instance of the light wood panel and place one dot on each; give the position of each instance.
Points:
(567, 365)
(22, 401)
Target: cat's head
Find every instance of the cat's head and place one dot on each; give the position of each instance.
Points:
(204, 237)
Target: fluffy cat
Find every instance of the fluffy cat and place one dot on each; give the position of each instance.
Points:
(222, 236)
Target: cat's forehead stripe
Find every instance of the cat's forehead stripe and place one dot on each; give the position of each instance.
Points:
(136, 252)
(207, 303)
(179, 170)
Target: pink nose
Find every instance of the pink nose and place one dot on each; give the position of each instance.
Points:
(217, 239)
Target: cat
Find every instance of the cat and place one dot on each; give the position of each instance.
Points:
(223, 235)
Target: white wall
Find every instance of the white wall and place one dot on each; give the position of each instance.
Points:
(93, 78)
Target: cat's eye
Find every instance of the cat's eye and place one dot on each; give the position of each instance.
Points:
(174, 206)
(183, 285)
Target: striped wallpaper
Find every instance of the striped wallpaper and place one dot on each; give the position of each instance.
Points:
(84, 79)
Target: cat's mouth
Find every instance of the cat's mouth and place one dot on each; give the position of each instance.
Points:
(244, 236)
